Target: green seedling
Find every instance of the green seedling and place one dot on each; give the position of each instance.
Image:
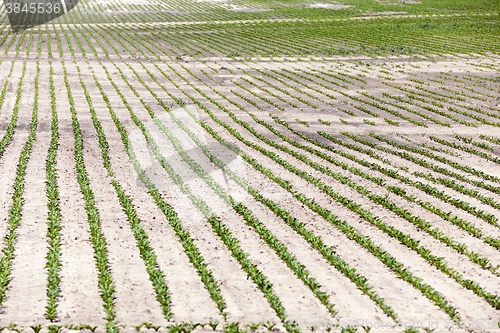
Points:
(213, 324)
(253, 326)
(176, 328)
(233, 328)
(92, 328)
(36, 328)
(54, 328)
(269, 326)
(349, 329)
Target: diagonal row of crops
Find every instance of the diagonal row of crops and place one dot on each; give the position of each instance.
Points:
(334, 172)
(406, 190)
(333, 38)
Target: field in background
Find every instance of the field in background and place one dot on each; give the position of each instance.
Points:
(225, 165)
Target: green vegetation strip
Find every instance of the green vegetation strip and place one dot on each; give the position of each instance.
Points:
(315, 241)
(15, 211)
(490, 218)
(467, 149)
(54, 217)
(99, 244)
(147, 253)
(218, 226)
(182, 234)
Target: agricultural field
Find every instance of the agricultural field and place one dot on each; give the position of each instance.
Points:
(250, 166)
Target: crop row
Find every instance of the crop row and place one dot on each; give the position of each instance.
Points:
(182, 234)
(98, 241)
(314, 240)
(487, 217)
(382, 255)
(222, 230)
(15, 211)
(54, 215)
(147, 253)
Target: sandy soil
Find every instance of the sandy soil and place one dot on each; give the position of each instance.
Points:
(215, 83)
